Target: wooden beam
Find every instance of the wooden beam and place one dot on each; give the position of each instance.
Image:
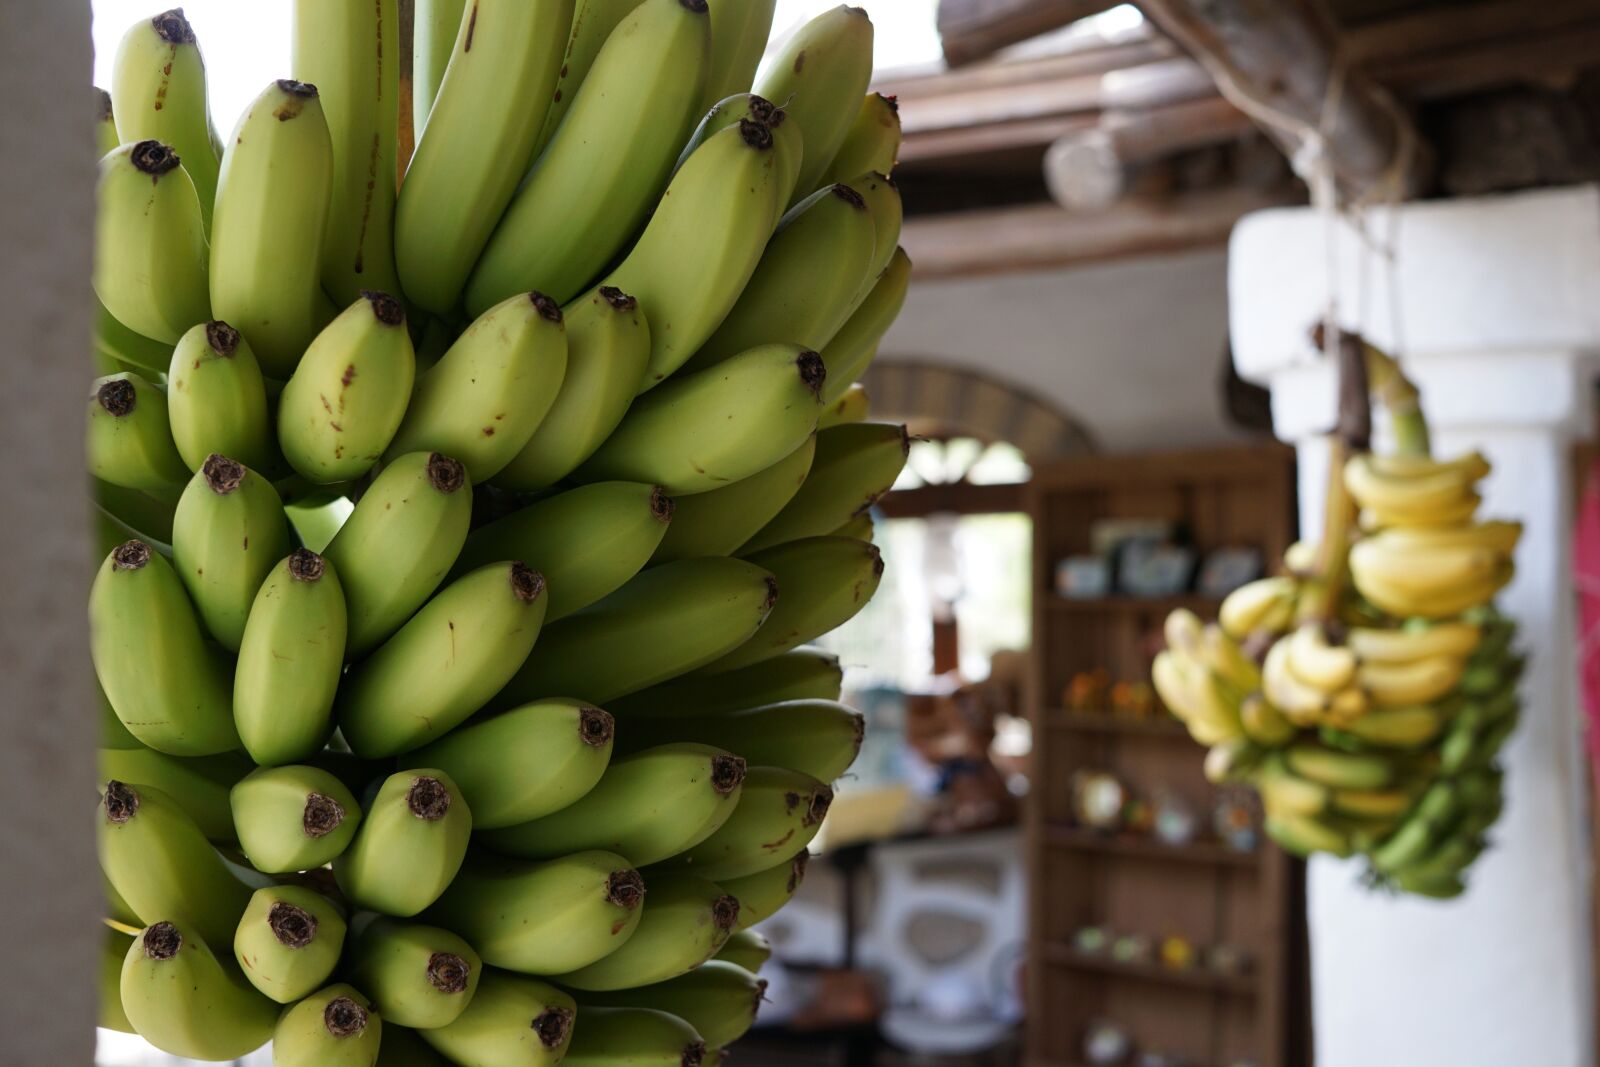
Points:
(962, 498)
(972, 29)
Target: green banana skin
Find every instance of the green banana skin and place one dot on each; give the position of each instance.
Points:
(160, 862)
(608, 345)
(158, 91)
(858, 529)
(288, 942)
(543, 918)
(778, 815)
(151, 260)
(634, 1037)
(718, 999)
(409, 846)
(772, 397)
(873, 143)
(293, 818)
(686, 920)
(848, 355)
(117, 911)
(335, 1027)
(663, 623)
(587, 541)
(728, 111)
(748, 948)
(592, 24)
(855, 465)
(457, 652)
(217, 400)
(799, 674)
(128, 438)
(183, 999)
(131, 350)
(816, 737)
(105, 125)
(113, 735)
(512, 1022)
(528, 762)
(739, 31)
(851, 407)
(405, 1048)
(398, 544)
(434, 29)
(227, 534)
(648, 806)
(349, 393)
(423, 976)
(114, 945)
(822, 583)
(716, 523)
(168, 687)
(199, 785)
(882, 198)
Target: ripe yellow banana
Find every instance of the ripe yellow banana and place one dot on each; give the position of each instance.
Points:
(1315, 662)
(1303, 703)
(1415, 682)
(1425, 491)
(1405, 645)
(1264, 604)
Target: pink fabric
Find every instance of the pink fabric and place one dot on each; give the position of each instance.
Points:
(1586, 575)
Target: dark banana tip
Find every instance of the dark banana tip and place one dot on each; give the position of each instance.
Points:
(130, 555)
(293, 927)
(448, 972)
(699, 7)
(764, 111)
(892, 100)
(172, 27)
(661, 505)
(772, 594)
(725, 912)
(304, 90)
(553, 1026)
(428, 799)
(222, 475)
(306, 566)
(693, 1055)
(757, 135)
(797, 870)
(121, 802)
(385, 308)
(446, 474)
(547, 308)
(625, 889)
(877, 561)
(618, 300)
(813, 372)
(849, 196)
(727, 773)
(527, 584)
(321, 816)
(153, 158)
(343, 1017)
(596, 727)
(118, 397)
(817, 809)
(223, 339)
(161, 941)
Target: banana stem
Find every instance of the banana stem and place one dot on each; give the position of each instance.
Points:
(1400, 398)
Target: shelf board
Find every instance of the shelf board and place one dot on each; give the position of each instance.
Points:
(1102, 722)
(1189, 978)
(1201, 605)
(1208, 852)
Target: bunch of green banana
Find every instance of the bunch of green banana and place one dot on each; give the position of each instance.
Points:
(511, 1020)
(685, 921)
(820, 738)
(855, 465)
(778, 813)
(717, 522)
(719, 999)
(183, 999)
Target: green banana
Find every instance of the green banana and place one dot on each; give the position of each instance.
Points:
(486, 396)
(405, 1048)
(718, 999)
(290, 658)
(114, 945)
(634, 1037)
(293, 818)
(779, 813)
(351, 53)
(409, 846)
(543, 918)
(199, 785)
(316, 516)
(855, 466)
(288, 941)
(592, 24)
(160, 862)
(822, 583)
(349, 393)
(769, 397)
(105, 125)
(168, 687)
(873, 143)
(663, 623)
(848, 355)
(512, 1022)
(1301, 835)
(398, 544)
(648, 806)
(524, 763)
(748, 948)
(786, 139)
(114, 735)
(859, 528)
(217, 400)
(158, 92)
(118, 913)
(882, 197)
(607, 162)
(703, 242)
(434, 29)
(1340, 770)
(184, 1000)
(799, 674)
(119, 513)
(476, 144)
(821, 74)
(816, 737)
(587, 541)
(267, 231)
(686, 920)
(128, 438)
(335, 1027)
(151, 260)
(852, 406)
(717, 522)
(423, 976)
(114, 341)
(457, 652)
(739, 31)
(227, 534)
(608, 344)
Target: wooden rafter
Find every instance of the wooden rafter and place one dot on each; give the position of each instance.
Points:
(973, 29)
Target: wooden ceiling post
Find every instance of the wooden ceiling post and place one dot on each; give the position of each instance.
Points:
(973, 29)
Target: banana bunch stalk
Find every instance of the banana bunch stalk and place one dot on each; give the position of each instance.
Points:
(466, 516)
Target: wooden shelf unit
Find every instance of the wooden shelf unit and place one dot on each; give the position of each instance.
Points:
(1205, 891)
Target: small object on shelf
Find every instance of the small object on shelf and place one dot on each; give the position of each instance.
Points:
(1225, 959)
(1097, 799)
(1153, 570)
(1177, 953)
(1107, 537)
(1133, 700)
(1237, 819)
(1106, 1044)
(1138, 817)
(1175, 820)
(1091, 940)
(1227, 569)
(1087, 690)
(1083, 577)
(1132, 948)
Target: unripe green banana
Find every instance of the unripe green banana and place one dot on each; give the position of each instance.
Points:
(858, 529)
(718, 999)
(512, 1022)
(217, 401)
(816, 737)
(747, 948)
(768, 398)
(151, 258)
(351, 53)
(183, 999)
(820, 75)
(592, 23)
(342, 406)
(199, 785)
(848, 355)
(477, 143)
(608, 161)
(227, 534)
(852, 406)
(146, 516)
(799, 674)
(822, 583)
(882, 197)
(648, 806)
(703, 243)
(873, 143)
(128, 439)
(288, 941)
(273, 196)
(336, 1027)
(398, 544)
(778, 815)
(409, 846)
(105, 123)
(525, 763)
(739, 31)
(170, 689)
(663, 623)
(118, 913)
(486, 396)
(787, 144)
(158, 91)
(634, 1037)
(685, 922)
(543, 918)
(114, 735)
(405, 1048)
(587, 541)
(160, 862)
(114, 945)
(855, 466)
(434, 29)
(717, 522)
(422, 975)
(608, 345)
(293, 818)
(457, 652)
(114, 341)
(315, 516)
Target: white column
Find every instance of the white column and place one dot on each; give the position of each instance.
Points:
(1499, 301)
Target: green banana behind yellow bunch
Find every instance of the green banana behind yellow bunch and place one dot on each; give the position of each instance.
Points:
(686, 920)
(183, 999)
(852, 349)
(114, 945)
(739, 31)
(852, 406)
(288, 942)
(158, 92)
(747, 948)
(435, 24)
(592, 23)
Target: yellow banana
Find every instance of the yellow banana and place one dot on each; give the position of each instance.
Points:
(1425, 491)
(1315, 662)
(1264, 604)
(1415, 682)
(1405, 645)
